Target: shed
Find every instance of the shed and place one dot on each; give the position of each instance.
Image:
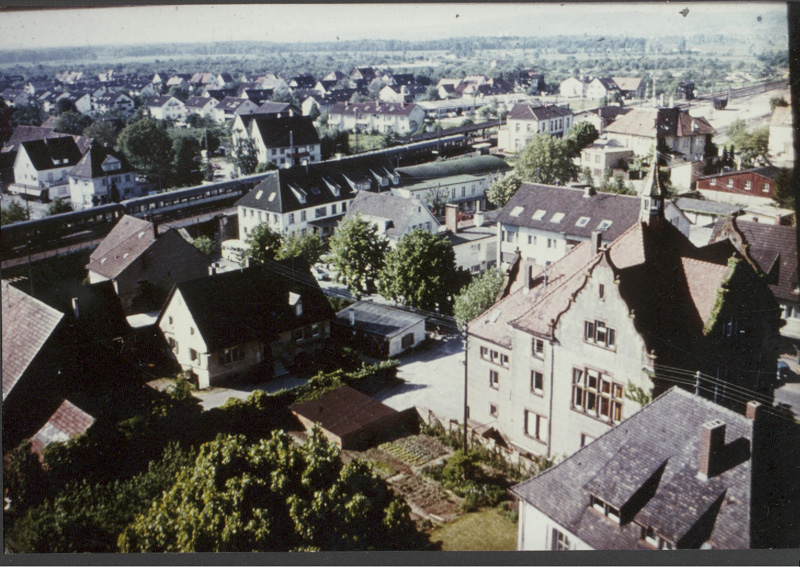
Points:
(378, 330)
(347, 417)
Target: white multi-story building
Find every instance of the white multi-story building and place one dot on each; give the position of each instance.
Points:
(166, 107)
(528, 119)
(101, 176)
(383, 117)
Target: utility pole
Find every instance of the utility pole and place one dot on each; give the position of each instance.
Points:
(466, 373)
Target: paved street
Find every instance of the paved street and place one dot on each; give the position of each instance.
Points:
(434, 380)
(215, 397)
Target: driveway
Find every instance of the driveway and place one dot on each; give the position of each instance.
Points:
(434, 379)
(217, 396)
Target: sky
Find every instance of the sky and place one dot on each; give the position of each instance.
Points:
(330, 22)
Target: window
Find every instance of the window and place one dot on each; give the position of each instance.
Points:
(494, 379)
(191, 330)
(535, 426)
(333, 209)
(650, 537)
(530, 239)
(537, 382)
(493, 410)
(605, 508)
(596, 332)
(713, 182)
(171, 320)
(596, 395)
(766, 188)
(173, 344)
(537, 348)
(730, 182)
(230, 355)
(515, 212)
(291, 218)
(344, 207)
(604, 225)
(192, 355)
(559, 541)
(556, 218)
(302, 216)
(601, 291)
(407, 340)
(539, 215)
(320, 212)
(748, 185)
(551, 243)
(583, 221)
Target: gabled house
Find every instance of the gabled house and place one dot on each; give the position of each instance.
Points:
(377, 330)
(601, 87)
(166, 107)
(525, 120)
(41, 167)
(684, 136)
(303, 81)
(324, 103)
(600, 117)
(201, 106)
(66, 423)
(285, 138)
(363, 76)
(393, 216)
(113, 102)
(83, 102)
(572, 88)
(754, 186)
(179, 80)
(143, 264)
(772, 249)
(630, 87)
(199, 81)
(231, 107)
(682, 473)
(101, 176)
(255, 320)
(395, 118)
(401, 93)
(141, 87)
(550, 363)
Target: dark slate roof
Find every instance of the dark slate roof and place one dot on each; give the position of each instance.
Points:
(772, 247)
(51, 152)
(477, 165)
(528, 111)
(708, 207)
(100, 313)
(282, 191)
(108, 98)
(253, 303)
(161, 100)
(129, 238)
(231, 104)
(666, 433)
(25, 133)
(67, 422)
(376, 319)
(621, 210)
(769, 171)
(343, 411)
(276, 108)
(304, 81)
(27, 325)
(279, 132)
(375, 108)
(197, 101)
(91, 164)
(397, 210)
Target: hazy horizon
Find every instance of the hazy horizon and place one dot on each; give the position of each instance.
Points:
(95, 27)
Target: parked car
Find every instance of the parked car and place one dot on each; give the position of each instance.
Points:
(783, 371)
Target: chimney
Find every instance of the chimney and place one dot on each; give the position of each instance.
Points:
(451, 217)
(753, 410)
(712, 443)
(528, 277)
(76, 309)
(155, 229)
(588, 191)
(597, 241)
(478, 217)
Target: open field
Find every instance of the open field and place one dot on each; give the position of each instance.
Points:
(487, 530)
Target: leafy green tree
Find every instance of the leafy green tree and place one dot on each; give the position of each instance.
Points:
(581, 134)
(72, 122)
(501, 190)
(753, 146)
(148, 147)
(545, 159)
(421, 272)
(245, 157)
(273, 496)
(186, 162)
(65, 105)
(211, 136)
(477, 297)
(58, 206)
(358, 253)
(29, 114)
(25, 483)
(13, 213)
(103, 131)
(263, 243)
(777, 101)
(784, 192)
(205, 245)
(309, 247)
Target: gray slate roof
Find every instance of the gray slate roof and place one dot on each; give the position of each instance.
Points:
(621, 210)
(528, 111)
(666, 433)
(706, 207)
(377, 319)
(398, 210)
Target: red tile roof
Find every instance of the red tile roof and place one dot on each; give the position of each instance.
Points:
(343, 411)
(67, 422)
(126, 242)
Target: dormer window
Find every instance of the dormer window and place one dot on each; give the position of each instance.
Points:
(296, 303)
(650, 537)
(605, 508)
(583, 221)
(604, 225)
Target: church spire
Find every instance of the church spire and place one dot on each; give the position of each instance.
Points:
(652, 194)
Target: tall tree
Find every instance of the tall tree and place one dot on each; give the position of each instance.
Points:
(72, 122)
(13, 213)
(58, 206)
(147, 146)
(784, 192)
(421, 272)
(579, 136)
(245, 156)
(545, 159)
(103, 131)
(501, 190)
(358, 253)
(273, 496)
(477, 297)
(309, 247)
(263, 243)
(186, 162)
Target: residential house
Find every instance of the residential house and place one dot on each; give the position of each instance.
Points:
(141, 87)
(600, 117)
(101, 176)
(201, 106)
(284, 138)
(531, 80)
(381, 117)
(116, 103)
(393, 216)
(630, 87)
(179, 80)
(166, 107)
(200, 81)
(463, 181)
(37, 87)
(474, 243)
(743, 187)
(144, 264)
(525, 120)
(69, 77)
(36, 361)
(602, 87)
(257, 96)
(550, 364)
(221, 94)
(231, 107)
(313, 198)
(572, 88)
(224, 80)
(781, 137)
(67, 422)
(302, 81)
(363, 76)
(401, 93)
(703, 215)
(324, 103)
(83, 102)
(685, 137)
(604, 155)
(41, 167)
(264, 318)
(772, 249)
(377, 330)
(682, 473)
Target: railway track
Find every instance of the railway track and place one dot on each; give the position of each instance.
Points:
(740, 92)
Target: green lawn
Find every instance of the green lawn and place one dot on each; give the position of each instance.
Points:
(488, 530)
(366, 142)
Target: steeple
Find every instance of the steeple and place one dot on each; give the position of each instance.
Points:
(652, 194)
